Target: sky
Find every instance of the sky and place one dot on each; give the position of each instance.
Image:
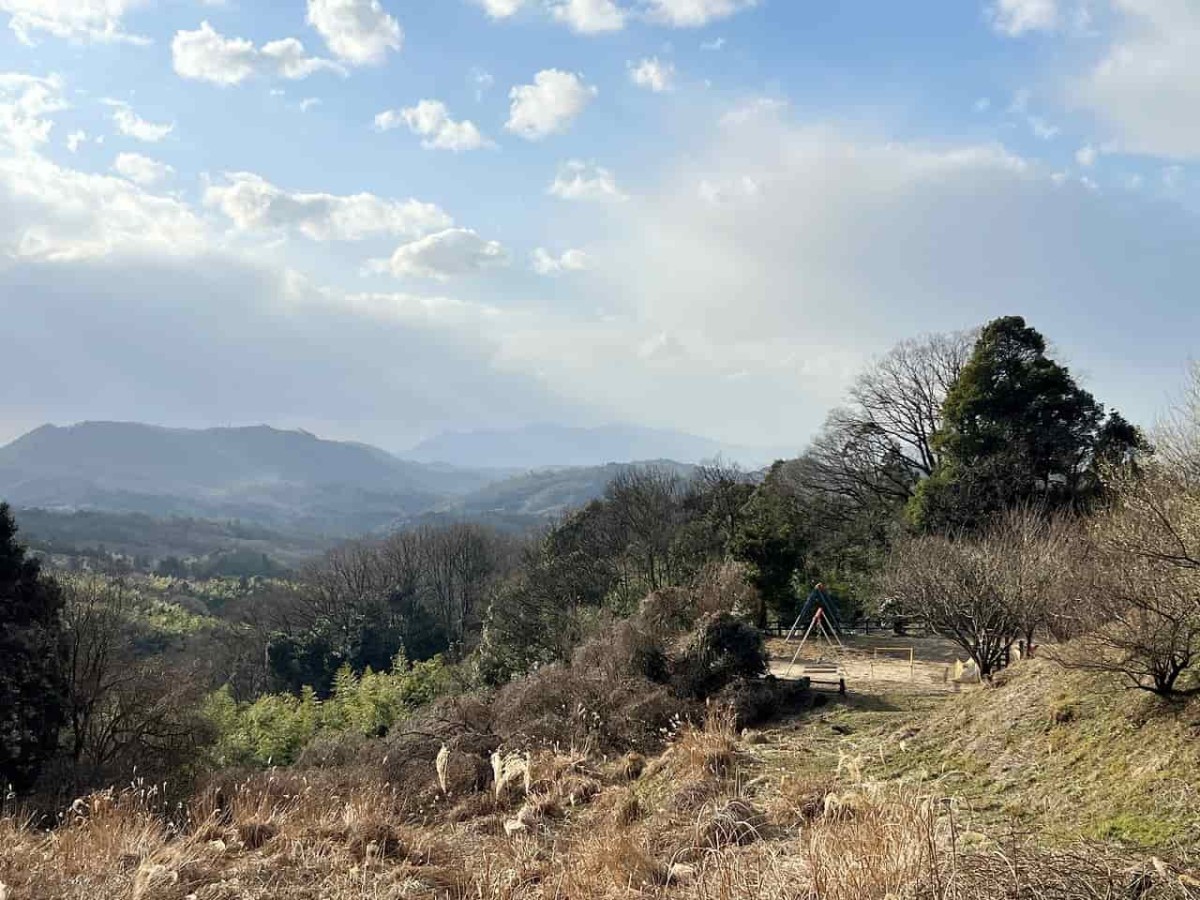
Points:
(382, 219)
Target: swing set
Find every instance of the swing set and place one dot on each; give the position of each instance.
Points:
(824, 625)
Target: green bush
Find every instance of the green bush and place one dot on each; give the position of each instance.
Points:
(275, 728)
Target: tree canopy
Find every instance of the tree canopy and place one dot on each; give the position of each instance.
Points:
(1017, 429)
(32, 680)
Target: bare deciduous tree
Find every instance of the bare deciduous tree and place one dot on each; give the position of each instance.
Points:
(1140, 616)
(127, 712)
(879, 446)
(985, 591)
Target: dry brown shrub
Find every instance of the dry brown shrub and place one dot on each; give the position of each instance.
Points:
(460, 773)
(669, 611)
(254, 835)
(630, 864)
(373, 840)
(736, 823)
(628, 809)
(800, 801)
(632, 766)
(725, 588)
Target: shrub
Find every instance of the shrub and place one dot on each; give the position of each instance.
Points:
(275, 728)
(721, 649)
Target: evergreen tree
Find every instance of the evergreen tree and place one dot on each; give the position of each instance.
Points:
(1017, 429)
(32, 661)
(770, 540)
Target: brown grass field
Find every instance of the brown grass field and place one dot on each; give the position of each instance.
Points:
(844, 802)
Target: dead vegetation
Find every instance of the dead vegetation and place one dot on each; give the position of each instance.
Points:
(705, 819)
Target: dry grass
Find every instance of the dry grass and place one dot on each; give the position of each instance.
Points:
(571, 826)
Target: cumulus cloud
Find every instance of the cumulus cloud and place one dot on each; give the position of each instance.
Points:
(544, 262)
(255, 205)
(579, 180)
(653, 75)
(100, 269)
(289, 59)
(444, 255)
(501, 9)
(207, 55)
(54, 214)
(694, 13)
(27, 104)
(431, 120)
(358, 32)
(1018, 17)
(589, 16)
(1146, 87)
(549, 105)
(141, 170)
(76, 139)
(132, 125)
(74, 20)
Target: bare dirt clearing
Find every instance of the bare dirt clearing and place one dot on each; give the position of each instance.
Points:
(877, 663)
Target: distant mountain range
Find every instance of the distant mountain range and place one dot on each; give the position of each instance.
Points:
(542, 446)
(284, 479)
(292, 483)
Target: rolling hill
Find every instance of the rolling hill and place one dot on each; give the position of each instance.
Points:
(143, 490)
(283, 479)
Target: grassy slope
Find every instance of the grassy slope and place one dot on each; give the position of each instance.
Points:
(1064, 754)
(714, 817)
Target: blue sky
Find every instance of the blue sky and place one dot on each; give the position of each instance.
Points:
(378, 219)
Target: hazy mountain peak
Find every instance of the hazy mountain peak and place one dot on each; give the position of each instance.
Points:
(546, 445)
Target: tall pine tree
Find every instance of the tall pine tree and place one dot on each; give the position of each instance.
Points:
(32, 661)
(1017, 429)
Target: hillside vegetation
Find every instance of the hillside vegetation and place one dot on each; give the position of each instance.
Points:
(593, 710)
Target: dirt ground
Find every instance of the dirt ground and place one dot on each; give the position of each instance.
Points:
(875, 663)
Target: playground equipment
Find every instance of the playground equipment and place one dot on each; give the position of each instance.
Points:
(825, 624)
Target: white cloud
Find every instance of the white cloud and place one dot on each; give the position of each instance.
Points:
(589, 16)
(75, 20)
(694, 13)
(755, 109)
(207, 55)
(26, 104)
(141, 170)
(309, 103)
(653, 75)
(830, 246)
(76, 139)
(445, 254)
(431, 120)
(501, 9)
(544, 262)
(254, 204)
(579, 180)
(1043, 129)
(1017, 17)
(288, 58)
(1146, 87)
(1086, 155)
(56, 214)
(359, 32)
(132, 125)
(713, 45)
(549, 105)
